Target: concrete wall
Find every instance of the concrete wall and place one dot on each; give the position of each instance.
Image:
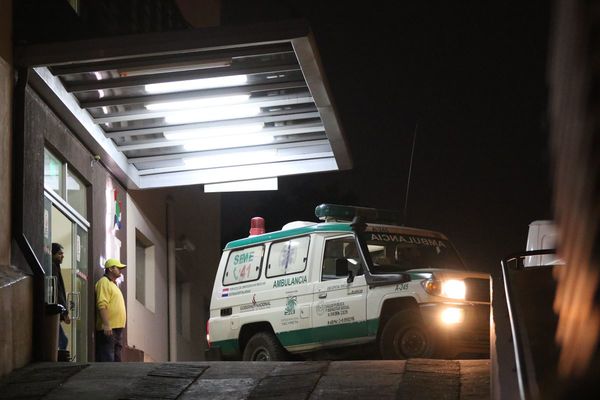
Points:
(16, 305)
(44, 128)
(148, 323)
(195, 219)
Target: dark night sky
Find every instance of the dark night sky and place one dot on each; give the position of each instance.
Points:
(471, 75)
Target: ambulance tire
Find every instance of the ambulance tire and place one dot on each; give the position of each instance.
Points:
(264, 346)
(405, 336)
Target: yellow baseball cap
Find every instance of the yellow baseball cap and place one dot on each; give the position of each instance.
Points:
(113, 262)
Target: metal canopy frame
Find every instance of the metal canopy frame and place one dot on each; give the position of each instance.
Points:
(201, 106)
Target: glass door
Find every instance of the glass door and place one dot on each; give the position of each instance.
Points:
(65, 223)
(73, 238)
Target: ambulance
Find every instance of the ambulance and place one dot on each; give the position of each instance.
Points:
(356, 278)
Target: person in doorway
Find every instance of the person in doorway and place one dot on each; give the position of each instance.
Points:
(57, 258)
(111, 314)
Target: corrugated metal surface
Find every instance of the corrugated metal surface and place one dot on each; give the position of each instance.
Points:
(200, 106)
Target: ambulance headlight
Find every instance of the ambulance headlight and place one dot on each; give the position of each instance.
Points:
(454, 289)
(452, 316)
(451, 288)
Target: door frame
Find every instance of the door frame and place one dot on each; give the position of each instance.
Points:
(77, 221)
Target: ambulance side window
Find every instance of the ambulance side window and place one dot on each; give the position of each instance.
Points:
(340, 248)
(288, 257)
(243, 265)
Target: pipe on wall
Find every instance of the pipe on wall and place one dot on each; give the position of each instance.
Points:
(171, 280)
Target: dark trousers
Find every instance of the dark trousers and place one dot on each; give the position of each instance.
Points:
(63, 340)
(108, 348)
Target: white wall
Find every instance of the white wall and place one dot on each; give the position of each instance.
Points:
(195, 216)
(147, 329)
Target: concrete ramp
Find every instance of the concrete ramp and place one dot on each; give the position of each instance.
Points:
(348, 380)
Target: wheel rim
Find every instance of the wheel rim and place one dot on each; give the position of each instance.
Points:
(261, 354)
(411, 343)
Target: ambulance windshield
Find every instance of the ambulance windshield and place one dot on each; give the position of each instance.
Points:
(396, 252)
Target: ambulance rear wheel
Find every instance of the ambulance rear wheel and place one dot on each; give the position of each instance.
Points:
(264, 346)
(405, 336)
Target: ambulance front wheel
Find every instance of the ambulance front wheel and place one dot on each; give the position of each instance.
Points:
(405, 336)
(264, 346)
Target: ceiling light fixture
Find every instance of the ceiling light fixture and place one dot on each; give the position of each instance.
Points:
(215, 131)
(198, 103)
(196, 84)
(213, 143)
(212, 114)
(242, 186)
(235, 158)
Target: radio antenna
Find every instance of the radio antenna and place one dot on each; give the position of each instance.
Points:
(412, 153)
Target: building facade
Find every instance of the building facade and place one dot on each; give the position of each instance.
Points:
(66, 193)
(107, 173)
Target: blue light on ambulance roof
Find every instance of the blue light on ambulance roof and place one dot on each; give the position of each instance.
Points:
(335, 212)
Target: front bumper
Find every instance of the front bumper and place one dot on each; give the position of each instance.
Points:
(469, 337)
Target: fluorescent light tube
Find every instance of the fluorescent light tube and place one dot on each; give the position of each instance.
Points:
(196, 84)
(212, 114)
(214, 131)
(233, 158)
(242, 186)
(198, 103)
(233, 129)
(217, 142)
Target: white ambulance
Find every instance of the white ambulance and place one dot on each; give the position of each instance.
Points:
(353, 279)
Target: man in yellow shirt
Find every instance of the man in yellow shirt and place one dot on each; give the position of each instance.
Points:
(111, 314)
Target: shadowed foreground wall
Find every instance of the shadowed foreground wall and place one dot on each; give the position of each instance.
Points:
(16, 288)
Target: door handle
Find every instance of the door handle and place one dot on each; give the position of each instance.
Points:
(74, 305)
(322, 295)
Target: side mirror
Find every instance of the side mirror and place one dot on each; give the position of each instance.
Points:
(350, 277)
(341, 269)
